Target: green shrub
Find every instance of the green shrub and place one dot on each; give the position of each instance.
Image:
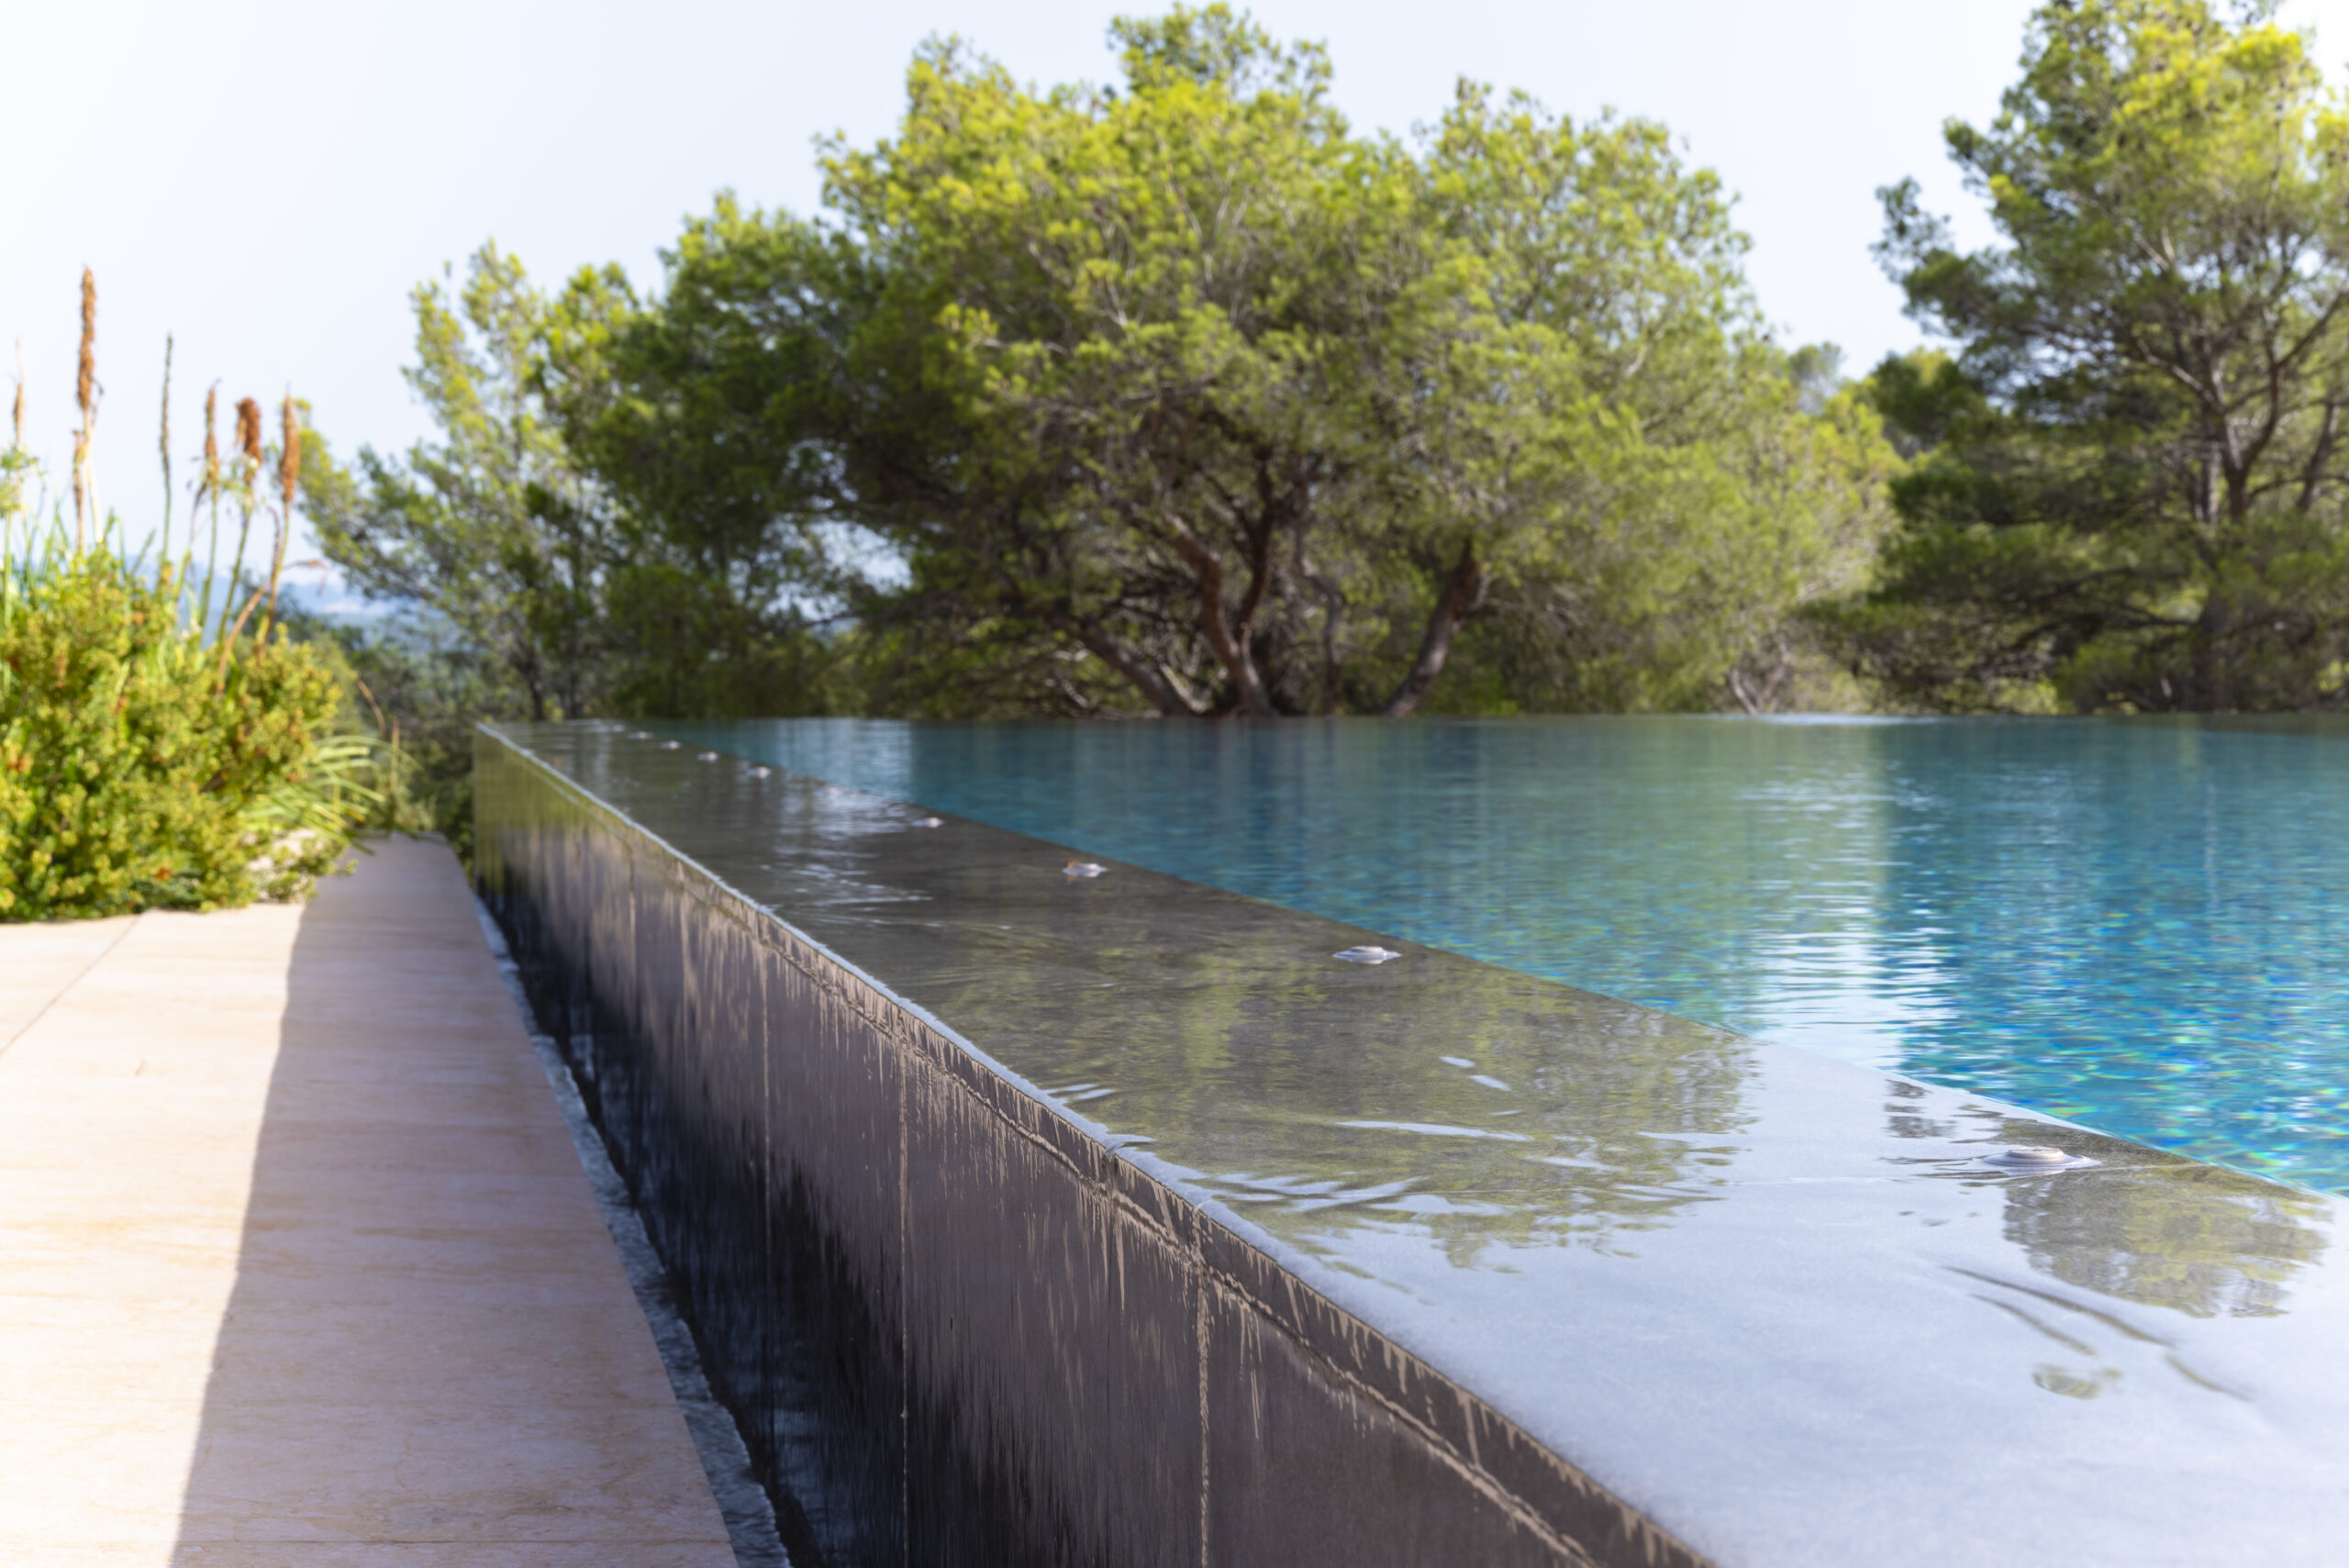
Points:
(144, 764)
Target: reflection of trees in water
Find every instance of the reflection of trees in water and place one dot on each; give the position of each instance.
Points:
(1318, 1099)
(1321, 1098)
(2200, 1240)
(1621, 1121)
(1905, 1113)
(2145, 1227)
(2142, 1226)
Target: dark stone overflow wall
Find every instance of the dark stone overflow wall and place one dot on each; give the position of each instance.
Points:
(955, 1327)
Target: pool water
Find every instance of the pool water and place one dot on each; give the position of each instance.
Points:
(2140, 925)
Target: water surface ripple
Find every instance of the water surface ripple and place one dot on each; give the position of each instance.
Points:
(2136, 924)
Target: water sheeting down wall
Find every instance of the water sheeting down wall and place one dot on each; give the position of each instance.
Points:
(955, 1327)
(1026, 1217)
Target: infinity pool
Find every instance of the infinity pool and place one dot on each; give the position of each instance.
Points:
(2141, 926)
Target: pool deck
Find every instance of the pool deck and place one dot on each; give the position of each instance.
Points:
(297, 1262)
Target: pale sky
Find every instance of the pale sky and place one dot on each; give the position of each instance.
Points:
(268, 180)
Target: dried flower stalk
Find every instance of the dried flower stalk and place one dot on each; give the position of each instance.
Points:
(85, 395)
(85, 387)
(209, 488)
(289, 475)
(248, 437)
(163, 445)
(248, 472)
(289, 455)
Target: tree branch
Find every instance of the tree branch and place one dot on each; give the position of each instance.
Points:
(1462, 596)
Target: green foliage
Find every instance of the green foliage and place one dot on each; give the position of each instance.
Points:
(2132, 493)
(654, 591)
(403, 722)
(488, 527)
(1183, 396)
(143, 766)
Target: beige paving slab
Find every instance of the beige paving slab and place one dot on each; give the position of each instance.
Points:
(38, 962)
(297, 1264)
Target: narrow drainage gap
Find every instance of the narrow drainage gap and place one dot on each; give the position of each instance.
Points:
(741, 1501)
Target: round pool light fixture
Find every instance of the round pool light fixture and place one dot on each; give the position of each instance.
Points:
(2031, 1158)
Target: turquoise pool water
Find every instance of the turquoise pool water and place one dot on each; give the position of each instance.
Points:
(2140, 925)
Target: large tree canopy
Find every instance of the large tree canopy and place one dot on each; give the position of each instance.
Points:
(1181, 395)
(485, 526)
(673, 587)
(2135, 485)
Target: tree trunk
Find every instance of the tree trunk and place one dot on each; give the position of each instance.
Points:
(2210, 636)
(1746, 698)
(1151, 683)
(1771, 667)
(1333, 680)
(1230, 648)
(1462, 597)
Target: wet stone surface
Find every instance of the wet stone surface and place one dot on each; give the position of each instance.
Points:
(1792, 1310)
